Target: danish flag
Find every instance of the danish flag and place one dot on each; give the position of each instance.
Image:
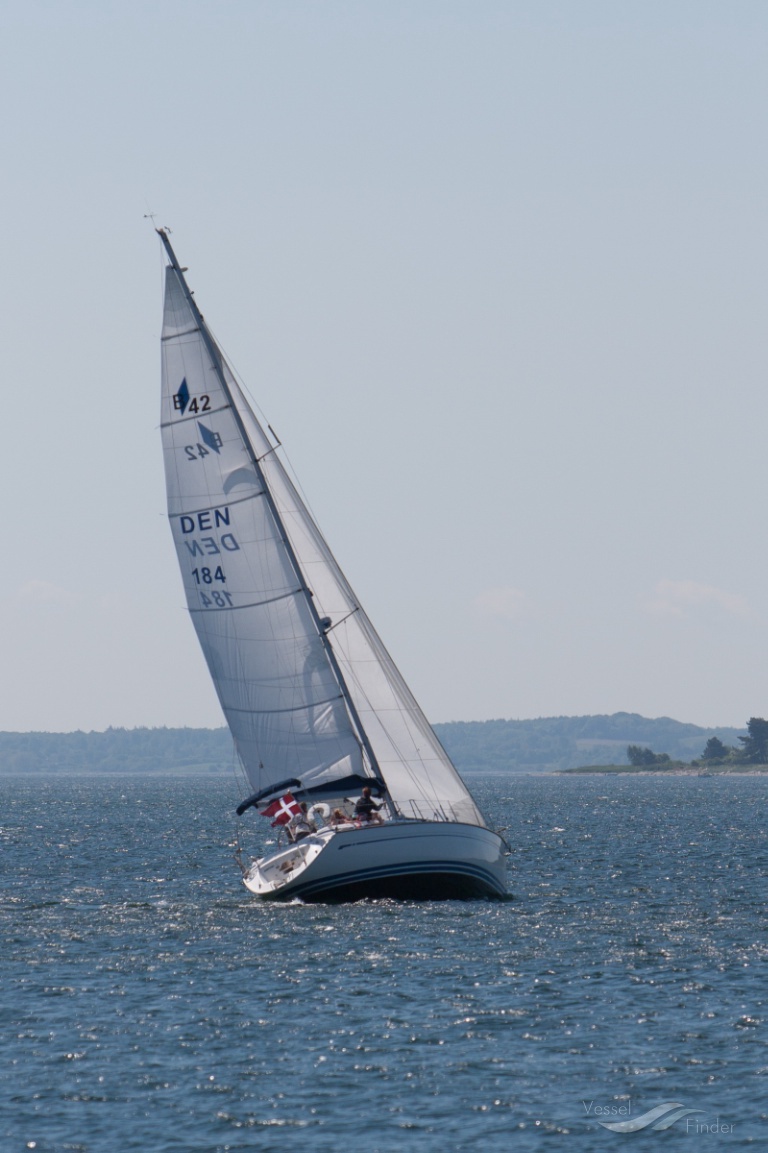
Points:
(282, 809)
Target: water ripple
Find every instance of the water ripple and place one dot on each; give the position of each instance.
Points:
(149, 1002)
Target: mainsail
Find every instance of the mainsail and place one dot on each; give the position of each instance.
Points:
(306, 685)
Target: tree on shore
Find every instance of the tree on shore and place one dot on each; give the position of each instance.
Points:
(639, 757)
(715, 751)
(755, 744)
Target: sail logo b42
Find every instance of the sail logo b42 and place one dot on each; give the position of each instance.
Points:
(182, 400)
(209, 438)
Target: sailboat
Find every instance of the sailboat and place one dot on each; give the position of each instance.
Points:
(317, 709)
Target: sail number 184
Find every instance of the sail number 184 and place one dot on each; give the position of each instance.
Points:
(214, 597)
(204, 576)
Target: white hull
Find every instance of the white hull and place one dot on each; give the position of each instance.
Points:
(401, 859)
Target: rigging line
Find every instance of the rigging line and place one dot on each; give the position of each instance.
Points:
(241, 383)
(273, 447)
(292, 476)
(236, 764)
(287, 466)
(269, 452)
(396, 745)
(161, 270)
(341, 622)
(262, 416)
(408, 706)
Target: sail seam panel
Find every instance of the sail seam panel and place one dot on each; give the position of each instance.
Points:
(250, 605)
(194, 416)
(178, 335)
(220, 504)
(274, 712)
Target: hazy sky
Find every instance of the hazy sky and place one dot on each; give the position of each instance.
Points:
(496, 274)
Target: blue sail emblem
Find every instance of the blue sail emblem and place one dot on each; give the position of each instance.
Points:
(181, 399)
(212, 439)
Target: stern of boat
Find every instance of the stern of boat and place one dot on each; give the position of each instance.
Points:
(268, 876)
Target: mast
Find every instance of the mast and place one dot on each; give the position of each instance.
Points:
(321, 627)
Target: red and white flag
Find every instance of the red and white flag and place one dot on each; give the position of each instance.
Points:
(282, 809)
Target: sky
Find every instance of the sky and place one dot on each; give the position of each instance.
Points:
(494, 272)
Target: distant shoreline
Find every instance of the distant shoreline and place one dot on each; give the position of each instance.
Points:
(676, 771)
(546, 745)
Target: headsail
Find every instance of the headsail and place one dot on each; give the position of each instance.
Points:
(307, 687)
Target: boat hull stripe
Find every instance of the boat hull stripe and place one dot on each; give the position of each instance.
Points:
(343, 880)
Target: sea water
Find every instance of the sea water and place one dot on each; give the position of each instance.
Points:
(149, 1002)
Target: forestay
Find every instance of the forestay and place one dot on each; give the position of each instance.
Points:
(272, 609)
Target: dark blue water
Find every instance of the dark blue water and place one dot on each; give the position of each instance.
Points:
(149, 1002)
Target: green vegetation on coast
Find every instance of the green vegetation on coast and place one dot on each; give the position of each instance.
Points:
(671, 768)
(543, 745)
(749, 756)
